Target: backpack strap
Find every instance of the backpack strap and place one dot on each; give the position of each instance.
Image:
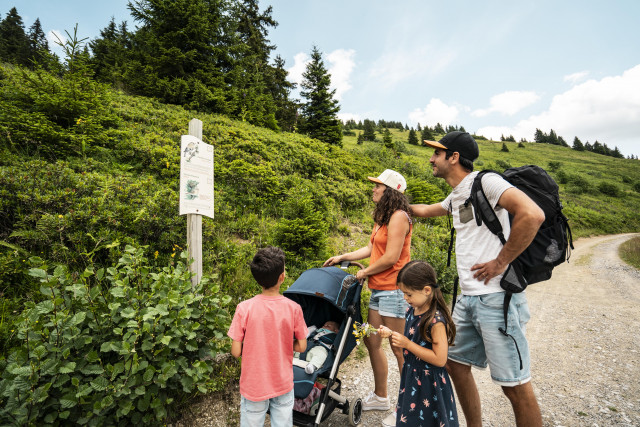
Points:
(503, 331)
(482, 209)
(455, 281)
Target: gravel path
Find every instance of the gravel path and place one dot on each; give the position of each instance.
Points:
(584, 334)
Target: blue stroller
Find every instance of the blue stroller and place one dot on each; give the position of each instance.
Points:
(328, 293)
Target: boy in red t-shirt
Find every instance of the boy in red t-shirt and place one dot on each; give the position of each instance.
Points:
(266, 330)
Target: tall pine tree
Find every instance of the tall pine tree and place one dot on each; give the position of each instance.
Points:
(320, 110)
(14, 43)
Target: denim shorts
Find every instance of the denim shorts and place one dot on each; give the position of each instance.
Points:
(388, 303)
(253, 414)
(478, 341)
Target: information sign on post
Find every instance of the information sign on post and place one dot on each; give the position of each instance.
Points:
(196, 191)
(196, 177)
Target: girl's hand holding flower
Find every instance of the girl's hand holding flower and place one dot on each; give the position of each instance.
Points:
(384, 331)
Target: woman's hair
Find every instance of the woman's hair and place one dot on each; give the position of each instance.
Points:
(415, 275)
(391, 201)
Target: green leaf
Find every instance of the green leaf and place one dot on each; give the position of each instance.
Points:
(128, 313)
(38, 272)
(67, 368)
(68, 401)
(100, 384)
(117, 292)
(166, 339)
(94, 369)
(45, 307)
(78, 318)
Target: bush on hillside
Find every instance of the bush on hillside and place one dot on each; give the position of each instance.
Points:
(422, 192)
(115, 346)
(609, 189)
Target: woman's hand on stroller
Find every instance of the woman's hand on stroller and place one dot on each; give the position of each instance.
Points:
(384, 331)
(333, 260)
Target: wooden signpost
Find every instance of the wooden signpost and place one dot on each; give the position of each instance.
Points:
(196, 191)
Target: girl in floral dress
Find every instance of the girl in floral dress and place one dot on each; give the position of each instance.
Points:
(426, 396)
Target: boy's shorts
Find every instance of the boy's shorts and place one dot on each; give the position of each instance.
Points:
(388, 303)
(478, 341)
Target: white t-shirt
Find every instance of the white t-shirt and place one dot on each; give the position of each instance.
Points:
(477, 244)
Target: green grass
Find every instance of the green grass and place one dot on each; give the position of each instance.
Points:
(630, 252)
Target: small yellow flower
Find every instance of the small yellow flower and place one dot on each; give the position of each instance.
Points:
(173, 254)
(60, 216)
(155, 255)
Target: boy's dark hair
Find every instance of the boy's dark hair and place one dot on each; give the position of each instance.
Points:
(267, 266)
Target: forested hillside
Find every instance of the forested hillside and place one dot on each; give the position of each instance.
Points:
(99, 323)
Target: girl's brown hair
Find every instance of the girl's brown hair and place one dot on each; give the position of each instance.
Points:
(415, 275)
(391, 201)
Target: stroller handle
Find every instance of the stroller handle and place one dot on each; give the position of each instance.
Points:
(345, 264)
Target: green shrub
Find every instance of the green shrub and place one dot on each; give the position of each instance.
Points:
(502, 164)
(562, 177)
(115, 346)
(578, 184)
(554, 166)
(422, 192)
(303, 230)
(609, 189)
(636, 186)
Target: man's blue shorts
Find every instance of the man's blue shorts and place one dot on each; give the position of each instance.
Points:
(478, 341)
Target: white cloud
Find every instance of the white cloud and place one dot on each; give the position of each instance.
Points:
(576, 78)
(342, 65)
(508, 103)
(54, 37)
(607, 110)
(349, 116)
(395, 67)
(435, 112)
(300, 62)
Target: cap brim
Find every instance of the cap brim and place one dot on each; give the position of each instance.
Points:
(435, 144)
(376, 180)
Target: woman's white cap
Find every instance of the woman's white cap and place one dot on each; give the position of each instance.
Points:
(391, 179)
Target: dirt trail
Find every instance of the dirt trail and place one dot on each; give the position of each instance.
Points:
(584, 334)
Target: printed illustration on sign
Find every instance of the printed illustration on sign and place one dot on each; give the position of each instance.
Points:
(190, 151)
(192, 189)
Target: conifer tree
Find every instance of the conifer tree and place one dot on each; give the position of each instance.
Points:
(38, 42)
(14, 43)
(577, 144)
(426, 134)
(413, 138)
(320, 109)
(387, 139)
(286, 108)
(369, 130)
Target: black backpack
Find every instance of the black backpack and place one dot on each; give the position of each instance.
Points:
(551, 245)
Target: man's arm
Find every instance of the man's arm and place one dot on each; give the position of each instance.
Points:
(428, 211)
(527, 218)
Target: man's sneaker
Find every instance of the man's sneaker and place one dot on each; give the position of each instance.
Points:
(375, 403)
(390, 420)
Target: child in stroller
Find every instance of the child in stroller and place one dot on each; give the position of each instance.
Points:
(319, 342)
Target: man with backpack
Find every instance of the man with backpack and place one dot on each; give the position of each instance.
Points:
(482, 259)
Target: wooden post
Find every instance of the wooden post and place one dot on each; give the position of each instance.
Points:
(194, 223)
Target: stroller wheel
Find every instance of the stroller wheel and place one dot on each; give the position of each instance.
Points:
(355, 412)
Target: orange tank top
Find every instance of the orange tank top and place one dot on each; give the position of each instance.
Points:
(386, 280)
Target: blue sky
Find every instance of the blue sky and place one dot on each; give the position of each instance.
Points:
(494, 67)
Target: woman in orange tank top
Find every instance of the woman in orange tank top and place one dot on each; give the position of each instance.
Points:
(388, 251)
